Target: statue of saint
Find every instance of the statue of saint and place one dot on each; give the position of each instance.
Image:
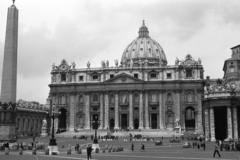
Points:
(199, 61)
(44, 123)
(177, 122)
(107, 63)
(53, 66)
(131, 63)
(176, 62)
(73, 65)
(88, 64)
(116, 62)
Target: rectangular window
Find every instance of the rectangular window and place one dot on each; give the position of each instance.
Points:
(80, 78)
(63, 77)
(136, 108)
(153, 76)
(188, 73)
(135, 75)
(112, 109)
(169, 75)
(95, 109)
(111, 75)
(95, 77)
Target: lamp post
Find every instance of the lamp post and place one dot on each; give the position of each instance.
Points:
(53, 117)
(95, 124)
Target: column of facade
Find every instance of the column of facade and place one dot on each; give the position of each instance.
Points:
(116, 126)
(101, 111)
(206, 116)
(146, 111)
(235, 123)
(183, 120)
(199, 107)
(106, 126)
(229, 121)
(72, 111)
(131, 110)
(212, 125)
(177, 102)
(141, 110)
(87, 111)
(160, 103)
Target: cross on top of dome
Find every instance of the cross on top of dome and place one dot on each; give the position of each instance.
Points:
(143, 31)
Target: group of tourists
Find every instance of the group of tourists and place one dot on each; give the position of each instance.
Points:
(142, 147)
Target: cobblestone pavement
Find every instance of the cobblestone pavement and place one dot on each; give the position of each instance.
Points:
(168, 151)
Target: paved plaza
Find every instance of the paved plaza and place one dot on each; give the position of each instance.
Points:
(168, 151)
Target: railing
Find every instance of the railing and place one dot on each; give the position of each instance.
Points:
(219, 94)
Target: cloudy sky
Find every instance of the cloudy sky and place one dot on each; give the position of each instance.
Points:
(96, 30)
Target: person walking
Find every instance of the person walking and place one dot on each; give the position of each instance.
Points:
(132, 147)
(89, 152)
(216, 150)
(204, 145)
(143, 147)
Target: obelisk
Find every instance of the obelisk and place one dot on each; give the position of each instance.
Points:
(9, 72)
(9, 77)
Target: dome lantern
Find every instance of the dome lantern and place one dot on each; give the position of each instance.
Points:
(143, 31)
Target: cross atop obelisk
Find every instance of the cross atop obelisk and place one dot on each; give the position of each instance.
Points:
(9, 73)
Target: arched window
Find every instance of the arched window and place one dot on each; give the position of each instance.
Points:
(112, 99)
(95, 98)
(190, 114)
(136, 99)
(169, 97)
(154, 97)
(124, 98)
(81, 99)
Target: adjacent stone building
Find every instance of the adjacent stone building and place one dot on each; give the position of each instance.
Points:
(142, 92)
(29, 117)
(221, 101)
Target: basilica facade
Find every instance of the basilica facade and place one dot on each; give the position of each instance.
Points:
(140, 92)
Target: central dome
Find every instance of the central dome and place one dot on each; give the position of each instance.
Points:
(144, 48)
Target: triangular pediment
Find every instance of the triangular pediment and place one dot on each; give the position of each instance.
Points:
(123, 78)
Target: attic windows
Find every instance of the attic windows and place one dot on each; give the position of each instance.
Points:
(153, 75)
(141, 49)
(135, 75)
(169, 76)
(111, 76)
(95, 77)
(188, 73)
(80, 78)
(63, 77)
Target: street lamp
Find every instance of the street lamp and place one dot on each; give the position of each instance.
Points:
(53, 116)
(95, 124)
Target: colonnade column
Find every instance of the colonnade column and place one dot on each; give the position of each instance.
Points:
(87, 111)
(106, 126)
(72, 111)
(183, 119)
(160, 110)
(141, 110)
(212, 124)
(130, 110)
(101, 111)
(206, 116)
(116, 126)
(235, 123)
(146, 111)
(229, 121)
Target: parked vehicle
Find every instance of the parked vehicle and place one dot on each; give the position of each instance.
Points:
(158, 143)
(174, 140)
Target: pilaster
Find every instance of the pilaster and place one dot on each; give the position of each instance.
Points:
(131, 110)
(141, 110)
(235, 123)
(177, 102)
(116, 126)
(87, 111)
(212, 125)
(72, 111)
(106, 126)
(229, 121)
(146, 111)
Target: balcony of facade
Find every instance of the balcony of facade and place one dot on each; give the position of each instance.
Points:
(95, 103)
